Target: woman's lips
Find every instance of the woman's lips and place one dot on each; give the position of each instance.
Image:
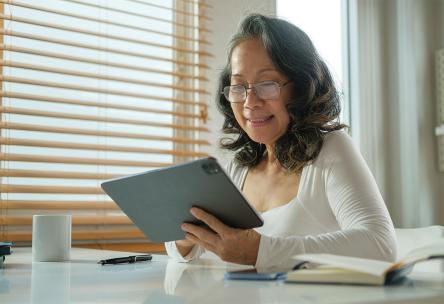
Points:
(259, 122)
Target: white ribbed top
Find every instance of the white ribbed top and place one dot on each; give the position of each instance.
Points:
(338, 210)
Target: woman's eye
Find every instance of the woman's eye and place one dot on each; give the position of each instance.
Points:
(237, 89)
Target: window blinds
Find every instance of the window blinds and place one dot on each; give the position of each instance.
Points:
(93, 90)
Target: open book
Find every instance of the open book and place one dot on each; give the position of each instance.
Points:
(328, 268)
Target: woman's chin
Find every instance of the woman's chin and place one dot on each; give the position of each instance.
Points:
(263, 139)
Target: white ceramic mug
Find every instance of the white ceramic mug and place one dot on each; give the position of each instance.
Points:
(51, 238)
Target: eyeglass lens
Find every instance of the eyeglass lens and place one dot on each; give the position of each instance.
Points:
(264, 90)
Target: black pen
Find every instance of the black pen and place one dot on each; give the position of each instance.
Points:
(128, 259)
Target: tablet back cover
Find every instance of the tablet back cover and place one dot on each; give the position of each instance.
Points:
(158, 201)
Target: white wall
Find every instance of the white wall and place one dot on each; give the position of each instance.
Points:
(225, 15)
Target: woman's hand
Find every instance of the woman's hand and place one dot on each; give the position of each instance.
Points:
(230, 244)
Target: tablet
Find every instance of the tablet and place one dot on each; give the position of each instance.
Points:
(159, 201)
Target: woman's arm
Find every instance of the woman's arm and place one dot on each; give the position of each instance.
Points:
(366, 229)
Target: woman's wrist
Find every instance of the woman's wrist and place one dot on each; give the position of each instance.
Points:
(256, 237)
(184, 247)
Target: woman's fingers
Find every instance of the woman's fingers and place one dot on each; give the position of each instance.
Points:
(212, 222)
(230, 244)
(192, 238)
(201, 233)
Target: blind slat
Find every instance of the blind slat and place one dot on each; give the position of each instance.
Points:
(35, 67)
(24, 111)
(98, 48)
(168, 8)
(199, 2)
(76, 220)
(80, 160)
(108, 22)
(56, 174)
(128, 247)
(51, 129)
(18, 49)
(6, 188)
(98, 34)
(129, 13)
(82, 235)
(108, 105)
(97, 90)
(57, 205)
(83, 146)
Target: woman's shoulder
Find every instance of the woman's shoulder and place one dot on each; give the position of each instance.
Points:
(235, 171)
(233, 168)
(339, 137)
(337, 144)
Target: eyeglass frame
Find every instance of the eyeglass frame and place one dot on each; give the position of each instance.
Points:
(253, 87)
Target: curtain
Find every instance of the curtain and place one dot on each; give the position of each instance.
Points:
(393, 100)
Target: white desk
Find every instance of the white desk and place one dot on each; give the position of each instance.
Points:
(165, 281)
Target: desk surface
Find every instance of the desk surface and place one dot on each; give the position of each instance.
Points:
(165, 281)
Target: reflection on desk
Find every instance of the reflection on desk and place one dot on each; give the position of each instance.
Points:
(165, 281)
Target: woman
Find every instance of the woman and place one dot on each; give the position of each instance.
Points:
(293, 162)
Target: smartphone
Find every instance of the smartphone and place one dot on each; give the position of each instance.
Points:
(253, 274)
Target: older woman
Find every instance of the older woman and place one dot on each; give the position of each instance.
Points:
(292, 160)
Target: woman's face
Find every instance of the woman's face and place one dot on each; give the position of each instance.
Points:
(265, 121)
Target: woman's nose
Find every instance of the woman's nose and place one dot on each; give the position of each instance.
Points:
(252, 100)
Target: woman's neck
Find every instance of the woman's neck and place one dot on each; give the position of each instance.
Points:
(270, 163)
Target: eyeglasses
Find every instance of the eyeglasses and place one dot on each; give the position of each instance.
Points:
(265, 90)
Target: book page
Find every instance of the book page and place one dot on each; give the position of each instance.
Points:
(375, 267)
(326, 274)
(435, 248)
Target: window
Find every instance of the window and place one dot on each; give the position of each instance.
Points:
(92, 90)
(324, 21)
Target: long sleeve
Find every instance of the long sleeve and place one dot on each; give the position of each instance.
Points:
(341, 178)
